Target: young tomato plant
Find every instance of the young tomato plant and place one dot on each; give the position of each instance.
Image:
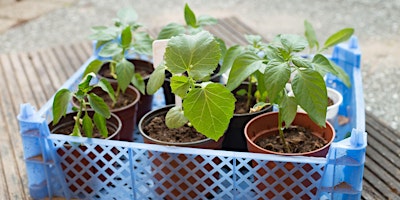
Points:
(83, 122)
(207, 106)
(117, 41)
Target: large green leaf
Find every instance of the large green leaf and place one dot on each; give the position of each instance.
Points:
(190, 17)
(310, 91)
(127, 15)
(101, 124)
(288, 109)
(60, 104)
(170, 30)
(143, 43)
(277, 74)
(323, 65)
(106, 87)
(87, 125)
(338, 37)
(126, 37)
(230, 56)
(125, 71)
(310, 35)
(205, 20)
(180, 85)
(244, 65)
(156, 79)
(293, 43)
(197, 54)
(110, 49)
(341, 74)
(301, 62)
(98, 105)
(175, 118)
(209, 109)
(93, 66)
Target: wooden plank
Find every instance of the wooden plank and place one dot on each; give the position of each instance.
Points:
(62, 60)
(87, 47)
(378, 183)
(74, 61)
(42, 72)
(373, 124)
(54, 68)
(385, 151)
(369, 192)
(80, 52)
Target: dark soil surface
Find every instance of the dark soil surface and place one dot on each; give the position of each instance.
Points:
(299, 139)
(67, 130)
(158, 130)
(107, 73)
(124, 99)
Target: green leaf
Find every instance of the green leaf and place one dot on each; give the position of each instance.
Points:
(106, 87)
(60, 104)
(170, 30)
(253, 40)
(101, 36)
(301, 62)
(101, 124)
(125, 71)
(277, 74)
(180, 85)
(205, 20)
(241, 92)
(244, 65)
(156, 79)
(338, 37)
(293, 43)
(126, 37)
(341, 74)
(87, 125)
(288, 109)
(197, 54)
(143, 43)
(175, 118)
(138, 82)
(76, 131)
(231, 54)
(110, 49)
(323, 65)
(84, 85)
(98, 105)
(310, 91)
(190, 17)
(209, 109)
(93, 66)
(222, 46)
(310, 35)
(127, 15)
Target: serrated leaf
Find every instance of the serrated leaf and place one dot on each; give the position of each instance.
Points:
(288, 109)
(126, 37)
(110, 49)
(87, 125)
(190, 17)
(197, 54)
(127, 15)
(93, 66)
(138, 82)
(175, 118)
(156, 79)
(98, 105)
(180, 85)
(170, 30)
(143, 43)
(338, 37)
(209, 109)
(277, 74)
(231, 54)
(310, 35)
(125, 71)
(101, 124)
(293, 43)
(60, 104)
(310, 92)
(243, 66)
(106, 87)
(205, 20)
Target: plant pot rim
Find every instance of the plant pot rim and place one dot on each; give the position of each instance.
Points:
(112, 115)
(167, 107)
(251, 140)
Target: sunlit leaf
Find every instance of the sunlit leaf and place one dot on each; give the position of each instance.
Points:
(310, 35)
(277, 74)
(125, 71)
(338, 37)
(60, 104)
(190, 17)
(180, 85)
(93, 66)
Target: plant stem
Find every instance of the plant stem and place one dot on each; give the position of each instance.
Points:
(249, 94)
(116, 96)
(281, 135)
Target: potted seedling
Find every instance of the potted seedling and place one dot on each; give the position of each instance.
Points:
(97, 122)
(203, 114)
(288, 132)
(115, 43)
(194, 24)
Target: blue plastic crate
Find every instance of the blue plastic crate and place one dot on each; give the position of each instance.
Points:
(134, 170)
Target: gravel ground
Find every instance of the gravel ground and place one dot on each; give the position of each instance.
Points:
(375, 21)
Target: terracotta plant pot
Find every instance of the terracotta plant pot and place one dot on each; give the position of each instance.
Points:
(146, 100)
(266, 124)
(78, 162)
(162, 164)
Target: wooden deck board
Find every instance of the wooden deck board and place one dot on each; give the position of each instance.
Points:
(35, 76)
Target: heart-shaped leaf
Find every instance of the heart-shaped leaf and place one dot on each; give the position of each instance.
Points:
(214, 106)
